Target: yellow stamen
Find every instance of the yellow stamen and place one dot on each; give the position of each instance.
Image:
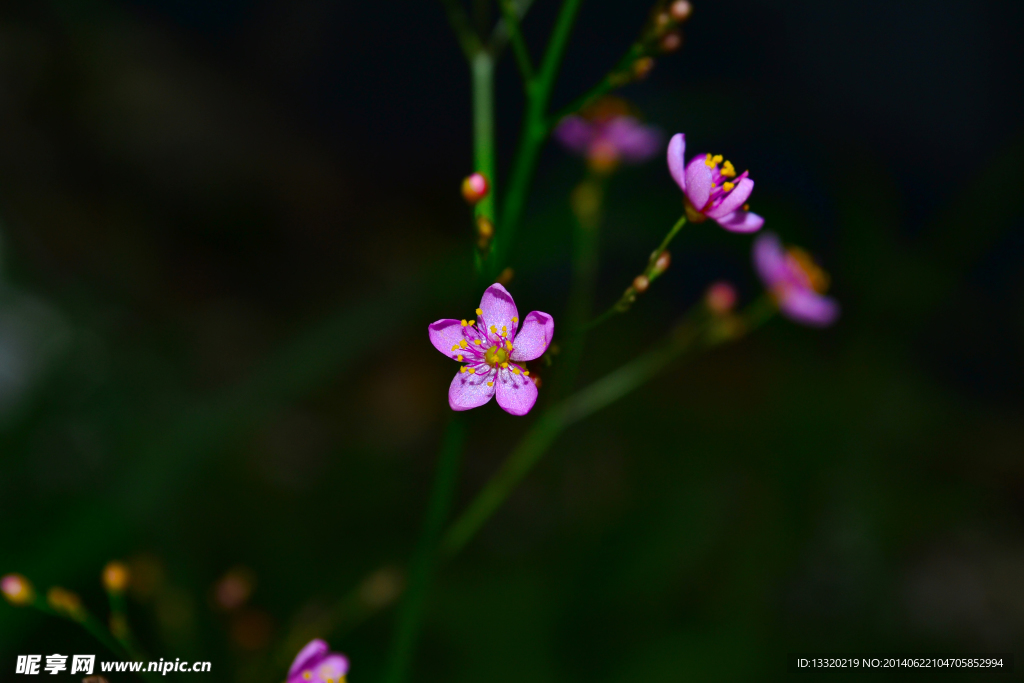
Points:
(477, 342)
(459, 358)
(526, 372)
(479, 312)
(515, 370)
(817, 277)
(490, 384)
(464, 323)
(746, 207)
(714, 185)
(472, 371)
(508, 344)
(504, 331)
(463, 344)
(307, 675)
(455, 348)
(515, 319)
(494, 330)
(728, 170)
(472, 322)
(728, 186)
(712, 161)
(504, 365)
(462, 369)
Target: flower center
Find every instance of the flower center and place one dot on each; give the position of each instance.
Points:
(496, 355)
(816, 277)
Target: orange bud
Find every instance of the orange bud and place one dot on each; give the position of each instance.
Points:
(475, 187)
(641, 283)
(672, 42)
(17, 589)
(642, 67)
(65, 602)
(720, 298)
(115, 577)
(663, 262)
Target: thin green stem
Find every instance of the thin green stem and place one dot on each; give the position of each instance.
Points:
(410, 615)
(651, 272)
(482, 67)
(534, 133)
(518, 44)
(501, 33)
(468, 39)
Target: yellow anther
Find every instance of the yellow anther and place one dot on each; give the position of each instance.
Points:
(515, 319)
(504, 331)
(472, 322)
(526, 372)
(712, 161)
(714, 185)
(464, 323)
(746, 207)
(455, 348)
(728, 186)
(459, 358)
(477, 342)
(462, 369)
(472, 371)
(490, 384)
(728, 170)
(515, 370)
(494, 330)
(504, 365)
(479, 312)
(508, 344)
(307, 675)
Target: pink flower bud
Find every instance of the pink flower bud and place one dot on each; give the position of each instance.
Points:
(681, 10)
(475, 187)
(672, 42)
(641, 283)
(17, 589)
(663, 262)
(720, 298)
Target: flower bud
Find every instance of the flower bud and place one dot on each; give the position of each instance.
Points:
(672, 42)
(642, 67)
(506, 276)
(65, 603)
(94, 679)
(662, 22)
(720, 298)
(115, 577)
(663, 262)
(17, 589)
(641, 283)
(474, 188)
(484, 228)
(681, 10)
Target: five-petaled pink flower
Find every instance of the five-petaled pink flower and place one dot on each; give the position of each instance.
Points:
(315, 663)
(493, 346)
(605, 142)
(713, 189)
(795, 281)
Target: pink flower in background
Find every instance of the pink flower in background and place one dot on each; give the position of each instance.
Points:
(796, 282)
(605, 142)
(713, 189)
(315, 663)
(493, 347)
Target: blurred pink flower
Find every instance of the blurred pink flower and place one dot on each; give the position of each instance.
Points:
(492, 348)
(712, 189)
(605, 142)
(315, 663)
(796, 282)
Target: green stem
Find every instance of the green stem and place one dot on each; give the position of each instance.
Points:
(410, 615)
(534, 133)
(518, 44)
(482, 68)
(650, 272)
(469, 41)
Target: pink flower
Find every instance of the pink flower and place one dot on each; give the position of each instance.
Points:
(493, 347)
(712, 189)
(315, 663)
(796, 282)
(605, 142)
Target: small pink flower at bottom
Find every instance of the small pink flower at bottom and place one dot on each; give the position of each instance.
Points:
(796, 282)
(315, 663)
(493, 347)
(712, 189)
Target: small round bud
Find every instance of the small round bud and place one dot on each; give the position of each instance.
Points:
(672, 42)
(17, 589)
(115, 577)
(720, 298)
(681, 10)
(642, 67)
(663, 262)
(474, 188)
(506, 276)
(65, 602)
(484, 227)
(662, 22)
(641, 283)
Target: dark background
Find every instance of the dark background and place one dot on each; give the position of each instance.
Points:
(221, 224)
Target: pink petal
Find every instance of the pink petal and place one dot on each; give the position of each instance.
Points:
(332, 667)
(533, 339)
(698, 182)
(770, 260)
(634, 141)
(575, 133)
(308, 656)
(444, 334)
(808, 307)
(498, 310)
(676, 148)
(516, 393)
(470, 390)
(734, 200)
(741, 221)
